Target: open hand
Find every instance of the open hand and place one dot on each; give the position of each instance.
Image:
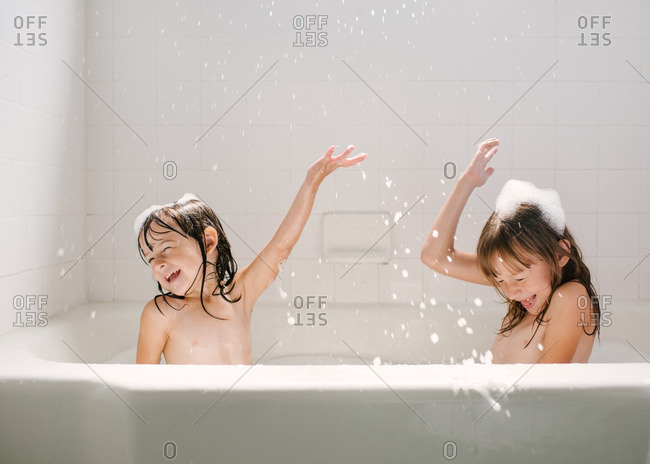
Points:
(328, 163)
(476, 172)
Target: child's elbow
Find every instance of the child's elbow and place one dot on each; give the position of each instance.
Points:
(429, 260)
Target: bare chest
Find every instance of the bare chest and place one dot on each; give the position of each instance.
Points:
(196, 337)
(514, 346)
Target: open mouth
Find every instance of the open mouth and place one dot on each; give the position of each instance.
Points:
(172, 276)
(529, 302)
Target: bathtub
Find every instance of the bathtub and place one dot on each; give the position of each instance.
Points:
(352, 383)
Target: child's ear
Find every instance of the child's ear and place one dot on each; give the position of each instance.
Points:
(566, 246)
(211, 239)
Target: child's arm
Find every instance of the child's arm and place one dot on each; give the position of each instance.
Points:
(153, 335)
(438, 251)
(566, 321)
(259, 274)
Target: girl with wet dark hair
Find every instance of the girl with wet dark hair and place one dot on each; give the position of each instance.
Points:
(203, 312)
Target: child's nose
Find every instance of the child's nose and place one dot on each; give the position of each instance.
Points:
(514, 292)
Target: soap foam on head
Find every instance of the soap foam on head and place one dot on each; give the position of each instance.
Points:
(139, 221)
(516, 192)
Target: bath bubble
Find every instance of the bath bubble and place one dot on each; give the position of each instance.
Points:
(434, 234)
(474, 353)
(469, 330)
(407, 251)
(434, 338)
(60, 252)
(540, 347)
(432, 301)
(508, 415)
(376, 361)
(486, 358)
(461, 322)
(283, 294)
(516, 192)
(405, 273)
(291, 320)
(422, 305)
(93, 314)
(478, 302)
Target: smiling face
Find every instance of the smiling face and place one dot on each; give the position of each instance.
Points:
(175, 259)
(528, 284)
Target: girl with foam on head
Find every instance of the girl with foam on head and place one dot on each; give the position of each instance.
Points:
(528, 255)
(203, 312)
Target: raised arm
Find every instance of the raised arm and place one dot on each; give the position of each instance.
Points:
(257, 276)
(438, 251)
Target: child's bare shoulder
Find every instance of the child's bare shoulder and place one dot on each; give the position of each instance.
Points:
(570, 295)
(155, 310)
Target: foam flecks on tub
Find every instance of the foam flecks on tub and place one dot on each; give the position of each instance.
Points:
(347, 237)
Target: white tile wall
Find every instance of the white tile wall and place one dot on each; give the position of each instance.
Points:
(450, 71)
(42, 158)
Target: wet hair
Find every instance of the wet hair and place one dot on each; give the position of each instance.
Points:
(190, 219)
(524, 238)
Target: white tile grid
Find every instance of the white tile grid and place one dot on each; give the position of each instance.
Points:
(594, 118)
